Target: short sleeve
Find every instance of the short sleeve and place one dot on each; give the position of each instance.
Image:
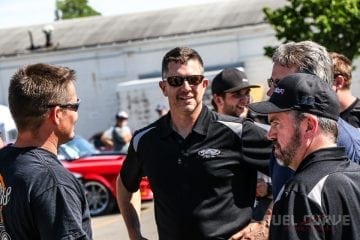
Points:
(256, 146)
(130, 172)
(58, 213)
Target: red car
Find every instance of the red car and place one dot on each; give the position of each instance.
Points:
(98, 172)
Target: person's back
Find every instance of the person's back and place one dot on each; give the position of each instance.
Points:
(27, 199)
(319, 190)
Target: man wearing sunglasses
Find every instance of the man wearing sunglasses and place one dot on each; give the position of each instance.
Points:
(35, 189)
(303, 57)
(202, 166)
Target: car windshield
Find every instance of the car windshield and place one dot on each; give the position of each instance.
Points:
(76, 148)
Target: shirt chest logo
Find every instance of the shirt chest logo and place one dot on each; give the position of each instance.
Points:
(209, 153)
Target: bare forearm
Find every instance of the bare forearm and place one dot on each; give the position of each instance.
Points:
(130, 207)
(108, 142)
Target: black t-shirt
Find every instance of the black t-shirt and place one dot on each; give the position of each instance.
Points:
(204, 185)
(40, 199)
(352, 114)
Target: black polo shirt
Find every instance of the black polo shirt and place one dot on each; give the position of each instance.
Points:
(204, 185)
(321, 201)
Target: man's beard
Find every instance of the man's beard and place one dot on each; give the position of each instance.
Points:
(232, 111)
(287, 153)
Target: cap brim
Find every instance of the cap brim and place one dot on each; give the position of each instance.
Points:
(266, 107)
(241, 87)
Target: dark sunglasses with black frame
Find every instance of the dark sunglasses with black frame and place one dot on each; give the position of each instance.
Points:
(71, 106)
(177, 81)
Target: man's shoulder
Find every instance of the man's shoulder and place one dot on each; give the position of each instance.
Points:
(28, 153)
(141, 132)
(33, 165)
(349, 138)
(215, 116)
(347, 129)
(352, 114)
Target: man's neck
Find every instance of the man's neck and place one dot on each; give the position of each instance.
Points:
(27, 139)
(345, 99)
(184, 123)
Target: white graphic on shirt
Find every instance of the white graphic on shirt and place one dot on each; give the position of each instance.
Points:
(209, 153)
(4, 200)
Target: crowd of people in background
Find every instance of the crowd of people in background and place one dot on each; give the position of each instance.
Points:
(117, 137)
(284, 168)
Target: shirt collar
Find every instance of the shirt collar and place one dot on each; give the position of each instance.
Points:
(200, 127)
(324, 154)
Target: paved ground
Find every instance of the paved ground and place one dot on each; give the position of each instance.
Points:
(112, 226)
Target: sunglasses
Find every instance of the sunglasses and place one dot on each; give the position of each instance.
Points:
(177, 81)
(272, 82)
(71, 106)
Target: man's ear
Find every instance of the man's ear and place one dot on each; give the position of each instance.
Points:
(162, 86)
(311, 126)
(55, 115)
(205, 82)
(219, 101)
(339, 82)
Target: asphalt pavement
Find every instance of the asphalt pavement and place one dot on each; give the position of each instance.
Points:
(112, 226)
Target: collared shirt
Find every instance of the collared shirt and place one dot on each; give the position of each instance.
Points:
(352, 114)
(349, 138)
(321, 201)
(204, 185)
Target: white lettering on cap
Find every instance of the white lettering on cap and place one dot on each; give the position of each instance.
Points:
(279, 91)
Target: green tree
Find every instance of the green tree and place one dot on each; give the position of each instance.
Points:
(333, 23)
(75, 9)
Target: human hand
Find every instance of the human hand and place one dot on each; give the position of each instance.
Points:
(253, 231)
(261, 188)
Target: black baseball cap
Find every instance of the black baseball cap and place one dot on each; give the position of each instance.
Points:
(303, 92)
(230, 80)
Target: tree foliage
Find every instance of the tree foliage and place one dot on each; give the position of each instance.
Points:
(334, 24)
(75, 9)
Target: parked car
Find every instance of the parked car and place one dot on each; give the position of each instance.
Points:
(98, 172)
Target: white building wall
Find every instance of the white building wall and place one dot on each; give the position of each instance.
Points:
(101, 69)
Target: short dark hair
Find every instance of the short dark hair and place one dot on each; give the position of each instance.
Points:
(180, 55)
(32, 88)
